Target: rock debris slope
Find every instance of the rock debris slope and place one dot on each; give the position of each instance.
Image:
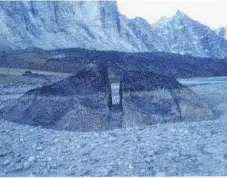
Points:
(99, 25)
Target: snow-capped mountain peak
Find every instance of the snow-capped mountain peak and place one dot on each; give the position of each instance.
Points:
(180, 14)
(182, 34)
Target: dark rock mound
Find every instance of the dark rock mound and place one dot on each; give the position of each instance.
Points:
(150, 98)
(82, 102)
(91, 79)
(146, 81)
(79, 102)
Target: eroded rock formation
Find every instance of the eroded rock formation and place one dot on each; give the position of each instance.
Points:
(79, 102)
(82, 102)
(150, 98)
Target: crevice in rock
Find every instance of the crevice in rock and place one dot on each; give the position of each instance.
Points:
(177, 102)
(115, 104)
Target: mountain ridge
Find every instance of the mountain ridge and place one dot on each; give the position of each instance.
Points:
(183, 35)
(99, 25)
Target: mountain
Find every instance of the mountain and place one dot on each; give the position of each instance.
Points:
(181, 34)
(55, 24)
(139, 29)
(99, 25)
(222, 32)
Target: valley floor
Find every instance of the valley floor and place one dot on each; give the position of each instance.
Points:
(185, 148)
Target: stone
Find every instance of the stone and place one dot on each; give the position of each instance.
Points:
(85, 172)
(209, 150)
(6, 162)
(130, 166)
(54, 166)
(160, 174)
(31, 159)
(151, 153)
(27, 165)
(148, 160)
(18, 168)
(39, 148)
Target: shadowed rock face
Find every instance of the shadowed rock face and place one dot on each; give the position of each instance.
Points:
(146, 81)
(77, 103)
(82, 102)
(91, 79)
(150, 98)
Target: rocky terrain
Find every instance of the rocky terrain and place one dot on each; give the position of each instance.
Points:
(183, 35)
(99, 25)
(77, 111)
(72, 60)
(170, 149)
(83, 102)
(179, 149)
(15, 86)
(149, 98)
(79, 102)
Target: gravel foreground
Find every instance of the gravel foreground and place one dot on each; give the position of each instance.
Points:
(173, 149)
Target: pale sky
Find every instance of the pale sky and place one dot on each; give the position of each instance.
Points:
(209, 12)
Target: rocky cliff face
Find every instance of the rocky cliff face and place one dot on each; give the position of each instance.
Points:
(139, 33)
(49, 25)
(183, 35)
(98, 25)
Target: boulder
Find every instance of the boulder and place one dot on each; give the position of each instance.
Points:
(78, 103)
(149, 98)
(82, 102)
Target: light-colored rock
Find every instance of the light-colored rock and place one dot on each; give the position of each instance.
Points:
(99, 25)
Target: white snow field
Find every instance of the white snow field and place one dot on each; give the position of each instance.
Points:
(172, 149)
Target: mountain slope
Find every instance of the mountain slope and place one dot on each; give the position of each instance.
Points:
(72, 60)
(181, 34)
(139, 29)
(99, 25)
(51, 25)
